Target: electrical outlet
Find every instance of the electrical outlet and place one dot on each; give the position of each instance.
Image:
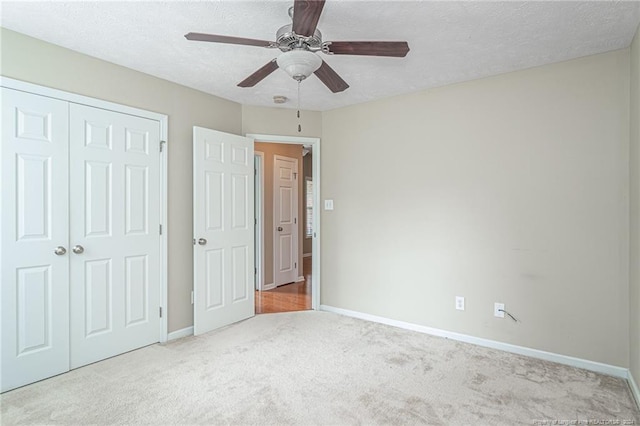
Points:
(498, 310)
(460, 303)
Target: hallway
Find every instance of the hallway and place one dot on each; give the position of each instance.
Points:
(289, 297)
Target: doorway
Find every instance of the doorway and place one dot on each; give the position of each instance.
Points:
(299, 291)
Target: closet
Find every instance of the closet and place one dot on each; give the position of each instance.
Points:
(80, 228)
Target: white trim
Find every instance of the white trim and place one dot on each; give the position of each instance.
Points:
(315, 244)
(259, 243)
(11, 83)
(178, 334)
(296, 229)
(315, 262)
(635, 391)
(300, 279)
(291, 140)
(164, 238)
(269, 286)
(306, 254)
(598, 367)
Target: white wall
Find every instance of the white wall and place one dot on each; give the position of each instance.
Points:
(512, 189)
(28, 59)
(634, 263)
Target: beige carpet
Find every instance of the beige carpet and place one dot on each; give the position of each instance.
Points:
(320, 368)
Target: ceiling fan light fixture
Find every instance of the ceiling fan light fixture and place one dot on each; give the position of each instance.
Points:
(299, 63)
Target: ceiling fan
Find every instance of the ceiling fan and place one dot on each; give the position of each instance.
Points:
(299, 43)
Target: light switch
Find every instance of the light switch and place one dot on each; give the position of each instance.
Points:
(328, 204)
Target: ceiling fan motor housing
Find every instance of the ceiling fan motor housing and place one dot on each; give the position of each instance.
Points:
(287, 40)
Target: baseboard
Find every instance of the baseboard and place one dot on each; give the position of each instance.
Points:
(299, 279)
(270, 286)
(306, 254)
(188, 331)
(598, 367)
(635, 391)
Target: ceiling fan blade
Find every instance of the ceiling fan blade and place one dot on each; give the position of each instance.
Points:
(330, 78)
(259, 75)
(398, 49)
(306, 14)
(226, 39)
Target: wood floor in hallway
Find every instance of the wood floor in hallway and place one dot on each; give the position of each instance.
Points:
(289, 297)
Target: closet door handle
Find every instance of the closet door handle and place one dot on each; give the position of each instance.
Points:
(280, 228)
(78, 249)
(60, 250)
(202, 241)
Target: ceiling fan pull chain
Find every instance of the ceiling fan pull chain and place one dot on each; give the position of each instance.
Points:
(299, 126)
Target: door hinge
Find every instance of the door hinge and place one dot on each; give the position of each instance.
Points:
(295, 175)
(295, 220)
(160, 229)
(160, 311)
(255, 271)
(295, 265)
(255, 172)
(162, 144)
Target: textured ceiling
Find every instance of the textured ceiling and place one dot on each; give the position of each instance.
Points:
(450, 41)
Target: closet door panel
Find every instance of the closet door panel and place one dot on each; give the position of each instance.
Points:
(115, 219)
(34, 230)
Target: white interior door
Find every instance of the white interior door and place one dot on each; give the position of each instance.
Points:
(223, 229)
(285, 221)
(34, 237)
(114, 235)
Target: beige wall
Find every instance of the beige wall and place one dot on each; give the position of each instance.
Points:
(286, 150)
(35, 61)
(634, 276)
(508, 189)
(280, 121)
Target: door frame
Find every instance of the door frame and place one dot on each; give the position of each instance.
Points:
(36, 89)
(259, 223)
(296, 234)
(315, 245)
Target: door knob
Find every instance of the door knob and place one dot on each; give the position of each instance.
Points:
(279, 228)
(78, 249)
(60, 250)
(202, 241)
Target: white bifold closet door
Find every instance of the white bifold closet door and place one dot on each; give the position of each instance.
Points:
(115, 221)
(34, 227)
(80, 216)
